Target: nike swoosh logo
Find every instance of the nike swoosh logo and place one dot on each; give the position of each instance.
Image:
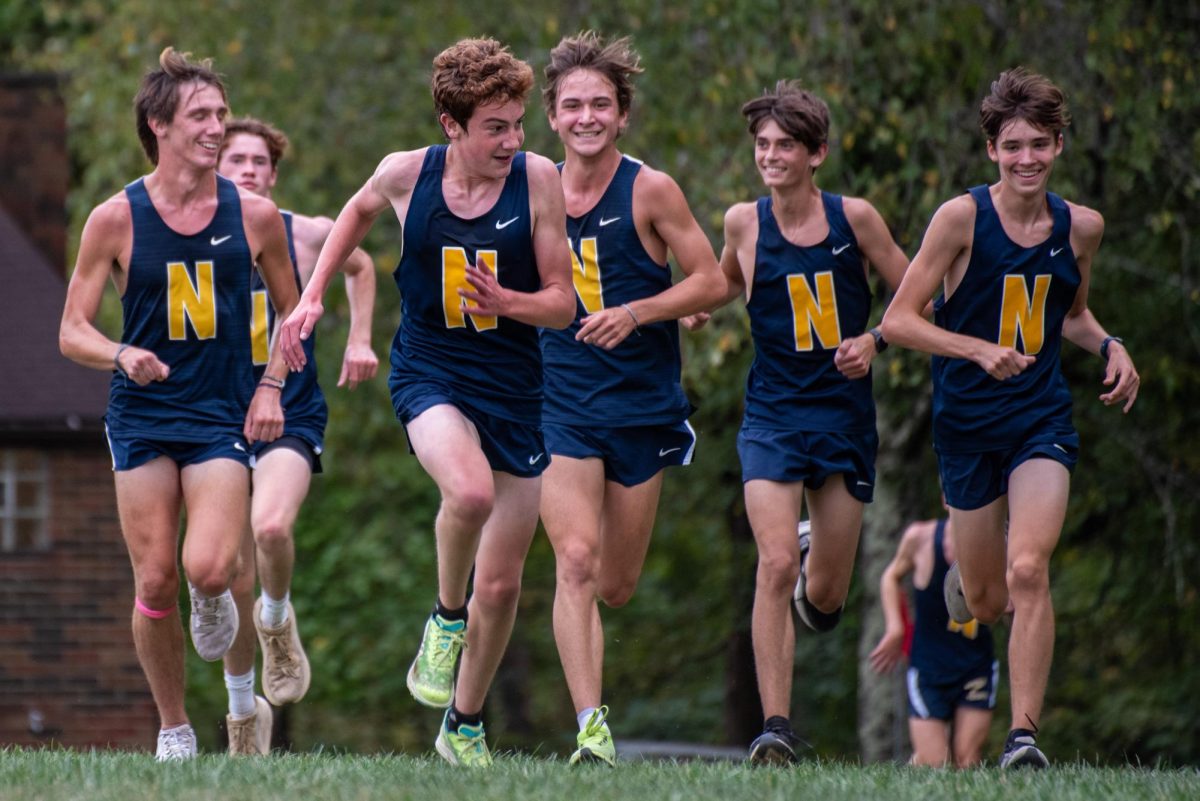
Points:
(864, 483)
(535, 459)
(1060, 447)
(840, 248)
(665, 451)
(604, 222)
(238, 445)
(506, 223)
(1055, 251)
(216, 241)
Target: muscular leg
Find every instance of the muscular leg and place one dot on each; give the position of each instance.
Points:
(836, 523)
(281, 481)
(930, 741)
(1037, 499)
(979, 545)
(502, 548)
(774, 511)
(148, 503)
(970, 732)
(216, 494)
(447, 446)
(571, 509)
(629, 514)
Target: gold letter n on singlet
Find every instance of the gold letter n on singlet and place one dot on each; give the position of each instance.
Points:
(814, 313)
(454, 277)
(260, 339)
(196, 302)
(586, 275)
(1018, 314)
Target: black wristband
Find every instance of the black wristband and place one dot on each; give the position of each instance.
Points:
(881, 344)
(117, 360)
(1104, 346)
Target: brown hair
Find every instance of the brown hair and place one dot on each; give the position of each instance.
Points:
(617, 61)
(277, 142)
(476, 72)
(1021, 94)
(801, 114)
(158, 96)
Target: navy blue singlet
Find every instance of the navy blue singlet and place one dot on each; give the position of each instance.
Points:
(803, 303)
(187, 299)
(305, 412)
(637, 382)
(494, 364)
(1018, 297)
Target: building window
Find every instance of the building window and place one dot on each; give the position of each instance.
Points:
(24, 501)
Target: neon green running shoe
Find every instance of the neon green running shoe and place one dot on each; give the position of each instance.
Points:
(595, 742)
(431, 677)
(466, 747)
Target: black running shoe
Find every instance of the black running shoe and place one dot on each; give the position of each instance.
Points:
(775, 747)
(1021, 751)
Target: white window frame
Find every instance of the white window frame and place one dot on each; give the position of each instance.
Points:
(10, 514)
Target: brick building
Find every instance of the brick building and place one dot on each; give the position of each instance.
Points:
(68, 671)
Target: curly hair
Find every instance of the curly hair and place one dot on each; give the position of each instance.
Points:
(276, 140)
(477, 72)
(801, 114)
(616, 60)
(1019, 94)
(158, 96)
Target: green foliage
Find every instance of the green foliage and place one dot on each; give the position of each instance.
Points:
(903, 80)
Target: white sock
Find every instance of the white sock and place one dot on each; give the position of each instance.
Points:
(274, 613)
(241, 694)
(583, 717)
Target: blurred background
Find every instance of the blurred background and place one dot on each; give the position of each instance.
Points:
(903, 80)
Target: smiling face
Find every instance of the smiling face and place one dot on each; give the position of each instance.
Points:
(782, 161)
(586, 114)
(1025, 154)
(193, 136)
(494, 134)
(246, 160)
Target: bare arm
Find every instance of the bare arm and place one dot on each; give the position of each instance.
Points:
(890, 649)
(105, 243)
(658, 200)
(1082, 328)
(392, 179)
(267, 238)
(947, 240)
(854, 356)
(737, 258)
(359, 362)
(553, 305)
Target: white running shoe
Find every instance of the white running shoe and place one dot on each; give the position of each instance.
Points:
(214, 624)
(176, 744)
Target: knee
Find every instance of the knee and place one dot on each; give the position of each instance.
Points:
(617, 592)
(271, 532)
(158, 587)
(967, 758)
(471, 505)
(987, 604)
(212, 575)
(576, 565)
(1028, 578)
(497, 592)
(778, 571)
(823, 594)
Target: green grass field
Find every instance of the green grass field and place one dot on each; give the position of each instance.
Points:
(105, 776)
